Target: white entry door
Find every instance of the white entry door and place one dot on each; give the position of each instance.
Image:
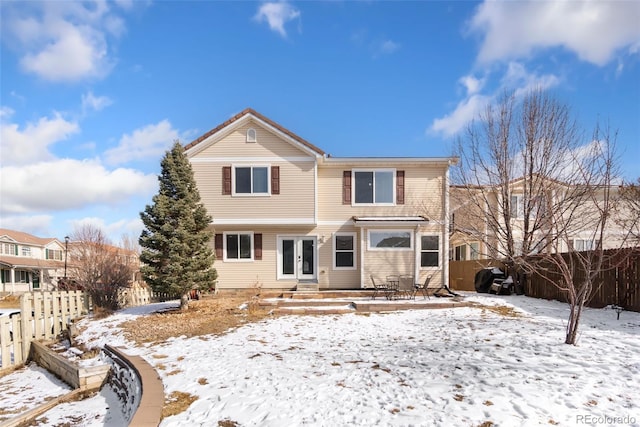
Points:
(297, 257)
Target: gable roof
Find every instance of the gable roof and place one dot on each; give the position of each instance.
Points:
(22, 237)
(260, 118)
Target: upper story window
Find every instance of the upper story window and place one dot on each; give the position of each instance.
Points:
(9, 249)
(54, 254)
(251, 180)
(390, 240)
(26, 251)
(374, 186)
(517, 206)
(251, 135)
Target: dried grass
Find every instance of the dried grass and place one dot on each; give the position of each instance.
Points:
(10, 301)
(215, 315)
(176, 403)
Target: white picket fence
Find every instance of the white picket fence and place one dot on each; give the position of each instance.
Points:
(43, 315)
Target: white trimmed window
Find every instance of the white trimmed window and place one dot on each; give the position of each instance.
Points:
(430, 251)
(251, 180)
(474, 248)
(374, 187)
(9, 249)
(390, 240)
(344, 251)
(517, 206)
(583, 244)
(26, 251)
(54, 254)
(238, 246)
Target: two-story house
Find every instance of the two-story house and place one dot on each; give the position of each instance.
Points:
(558, 217)
(29, 263)
(285, 212)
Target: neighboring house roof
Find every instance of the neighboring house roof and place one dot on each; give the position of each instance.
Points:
(26, 262)
(251, 112)
(512, 183)
(22, 237)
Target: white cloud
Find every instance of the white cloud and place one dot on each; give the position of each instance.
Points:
(62, 41)
(6, 112)
(516, 79)
(472, 84)
(37, 225)
(277, 14)
(387, 47)
(73, 53)
(113, 230)
(521, 81)
(465, 112)
(594, 30)
(96, 103)
(28, 145)
(148, 142)
(69, 184)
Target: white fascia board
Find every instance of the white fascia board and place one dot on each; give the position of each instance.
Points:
(259, 221)
(342, 161)
(240, 122)
(251, 159)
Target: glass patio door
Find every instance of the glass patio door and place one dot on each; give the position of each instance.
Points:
(297, 257)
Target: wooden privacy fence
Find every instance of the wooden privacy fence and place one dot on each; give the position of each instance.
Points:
(462, 273)
(43, 316)
(617, 284)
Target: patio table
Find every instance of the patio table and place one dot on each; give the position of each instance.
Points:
(393, 286)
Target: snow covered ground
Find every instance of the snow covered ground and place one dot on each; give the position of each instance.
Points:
(448, 367)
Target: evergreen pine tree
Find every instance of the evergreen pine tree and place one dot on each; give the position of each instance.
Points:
(176, 255)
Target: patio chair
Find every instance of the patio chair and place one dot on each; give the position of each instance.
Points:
(406, 286)
(422, 287)
(379, 287)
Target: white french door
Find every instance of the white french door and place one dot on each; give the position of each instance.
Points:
(297, 257)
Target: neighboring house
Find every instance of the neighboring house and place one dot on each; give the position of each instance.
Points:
(285, 212)
(29, 263)
(470, 229)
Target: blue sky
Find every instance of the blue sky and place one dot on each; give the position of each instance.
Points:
(93, 93)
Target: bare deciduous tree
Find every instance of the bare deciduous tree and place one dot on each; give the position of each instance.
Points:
(98, 267)
(528, 183)
(629, 210)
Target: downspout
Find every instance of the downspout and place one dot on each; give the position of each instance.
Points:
(445, 233)
(362, 248)
(416, 256)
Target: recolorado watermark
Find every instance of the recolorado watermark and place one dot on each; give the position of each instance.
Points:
(616, 420)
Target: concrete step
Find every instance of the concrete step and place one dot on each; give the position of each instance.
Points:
(278, 302)
(307, 287)
(364, 293)
(312, 310)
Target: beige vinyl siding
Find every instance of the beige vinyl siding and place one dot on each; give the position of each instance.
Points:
(295, 201)
(328, 277)
(424, 193)
(250, 274)
(267, 144)
(263, 273)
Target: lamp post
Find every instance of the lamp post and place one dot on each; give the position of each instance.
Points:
(66, 250)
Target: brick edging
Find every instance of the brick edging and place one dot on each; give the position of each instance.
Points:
(149, 411)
